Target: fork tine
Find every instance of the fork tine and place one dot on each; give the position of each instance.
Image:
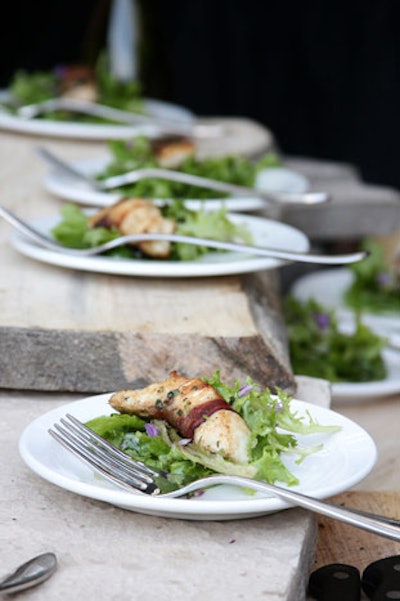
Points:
(84, 431)
(120, 470)
(103, 458)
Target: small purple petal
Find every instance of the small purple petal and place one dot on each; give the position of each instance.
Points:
(151, 430)
(233, 540)
(384, 279)
(244, 390)
(322, 320)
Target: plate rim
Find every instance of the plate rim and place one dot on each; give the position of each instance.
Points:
(374, 388)
(89, 131)
(170, 507)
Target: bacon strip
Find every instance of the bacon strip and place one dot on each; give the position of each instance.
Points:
(195, 409)
(187, 424)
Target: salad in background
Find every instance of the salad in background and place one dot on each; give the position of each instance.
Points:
(319, 348)
(376, 282)
(180, 154)
(74, 81)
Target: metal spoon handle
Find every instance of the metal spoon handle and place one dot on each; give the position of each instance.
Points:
(29, 574)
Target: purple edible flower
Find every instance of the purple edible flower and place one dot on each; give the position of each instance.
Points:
(244, 390)
(384, 279)
(322, 320)
(151, 430)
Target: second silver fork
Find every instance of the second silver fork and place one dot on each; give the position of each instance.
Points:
(111, 183)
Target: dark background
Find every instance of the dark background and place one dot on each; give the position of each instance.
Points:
(323, 76)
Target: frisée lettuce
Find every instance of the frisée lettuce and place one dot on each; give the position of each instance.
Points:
(269, 416)
(28, 87)
(376, 283)
(73, 231)
(139, 154)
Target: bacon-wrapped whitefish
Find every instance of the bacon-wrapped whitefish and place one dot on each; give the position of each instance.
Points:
(137, 216)
(78, 82)
(195, 409)
(171, 151)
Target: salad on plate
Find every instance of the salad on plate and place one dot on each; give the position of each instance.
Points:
(320, 347)
(194, 427)
(180, 154)
(79, 82)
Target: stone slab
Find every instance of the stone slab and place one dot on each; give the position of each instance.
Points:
(112, 554)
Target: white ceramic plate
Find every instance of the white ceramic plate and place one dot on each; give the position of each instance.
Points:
(364, 391)
(274, 179)
(93, 131)
(264, 232)
(327, 287)
(346, 458)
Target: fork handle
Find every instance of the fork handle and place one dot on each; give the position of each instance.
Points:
(381, 525)
(308, 198)
(166, 126)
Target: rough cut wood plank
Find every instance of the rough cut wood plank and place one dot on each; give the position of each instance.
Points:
(341, 543)
(90, 333)
(77, 331)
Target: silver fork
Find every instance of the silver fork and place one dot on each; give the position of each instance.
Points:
(286, 255)
(110, 183)
(165, 126)
(133, 476)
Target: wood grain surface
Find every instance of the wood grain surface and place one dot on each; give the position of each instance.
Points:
(341, 543)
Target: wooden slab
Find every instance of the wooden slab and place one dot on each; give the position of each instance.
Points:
(341, 543)
(64, 330)
(67, 330)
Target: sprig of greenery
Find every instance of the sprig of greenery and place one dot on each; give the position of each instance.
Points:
(73, 231)
(34, 87)
(320, 349)
(138, 154)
